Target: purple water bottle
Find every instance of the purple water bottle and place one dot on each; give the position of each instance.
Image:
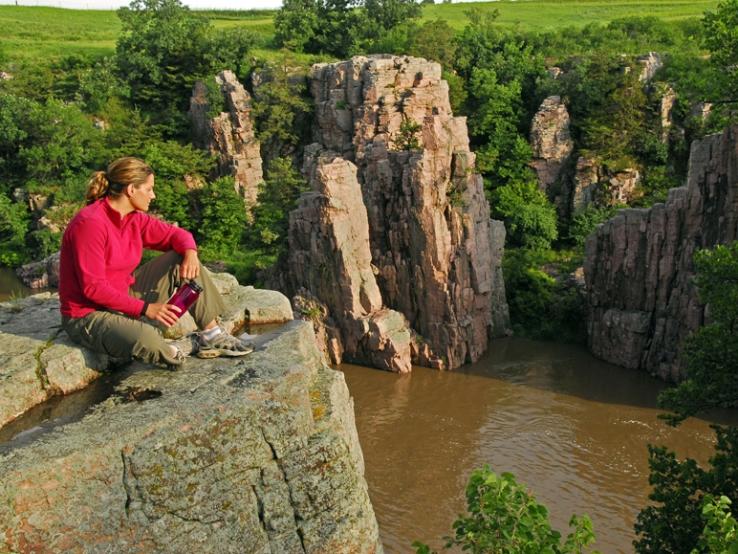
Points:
(185, 296)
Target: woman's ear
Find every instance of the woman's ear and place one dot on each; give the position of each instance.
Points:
(130, 189)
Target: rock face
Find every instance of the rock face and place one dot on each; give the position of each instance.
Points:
(41, 274)
(38, 361)
(596, 184)
(551, 140)
(638, 266)
(252, 455)
(330, 257)
(229, 135)
(666, 109)
(428, 218)
(650, 64)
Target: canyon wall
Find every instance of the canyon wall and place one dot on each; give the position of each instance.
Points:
(641, 298)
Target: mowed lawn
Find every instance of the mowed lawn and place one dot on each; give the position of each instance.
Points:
(40, 32)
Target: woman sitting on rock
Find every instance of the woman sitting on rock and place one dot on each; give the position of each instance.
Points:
(103, 296)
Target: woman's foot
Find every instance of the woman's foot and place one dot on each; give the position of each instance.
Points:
(215, 344)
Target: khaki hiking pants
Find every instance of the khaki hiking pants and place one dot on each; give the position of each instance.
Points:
(120, 336)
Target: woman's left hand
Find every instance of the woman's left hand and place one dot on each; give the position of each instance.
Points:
(190, 266)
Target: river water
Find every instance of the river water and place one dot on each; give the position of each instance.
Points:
(572, 428)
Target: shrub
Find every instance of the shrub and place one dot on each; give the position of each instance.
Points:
(505, 518)
(14, 222)
(530, 219)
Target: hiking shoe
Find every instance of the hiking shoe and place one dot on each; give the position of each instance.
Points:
(222, 344)
(177, 362)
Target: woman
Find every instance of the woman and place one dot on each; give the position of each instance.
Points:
(103, 296)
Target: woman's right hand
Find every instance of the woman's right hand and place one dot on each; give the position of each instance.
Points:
(167, 314)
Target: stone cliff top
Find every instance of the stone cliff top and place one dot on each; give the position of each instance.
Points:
(256, 454)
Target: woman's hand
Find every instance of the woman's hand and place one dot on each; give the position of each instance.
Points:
(190, 266)
(167, 314)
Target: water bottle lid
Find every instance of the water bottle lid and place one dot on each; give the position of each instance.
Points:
(193, 284)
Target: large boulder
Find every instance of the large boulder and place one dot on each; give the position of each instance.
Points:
(256, 455)
(38, 361)
(428, 218)
(639, 265)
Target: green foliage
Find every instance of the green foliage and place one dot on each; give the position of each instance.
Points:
(675, 524)
(14, 222)
(721, 38)
(222, 219)
(543, 305)
(407, 138)
(281, 112)
(339, 27)
(721, 529)
(434, 40)
(45, 143)
(278, 196)
(530, 219)
(585, 221)
(711, 354)
(504, 518)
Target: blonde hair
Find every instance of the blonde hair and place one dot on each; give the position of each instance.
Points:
(119, 174)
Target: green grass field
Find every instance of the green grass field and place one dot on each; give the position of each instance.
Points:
(42, 33)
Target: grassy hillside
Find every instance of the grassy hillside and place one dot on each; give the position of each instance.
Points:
(40, 32)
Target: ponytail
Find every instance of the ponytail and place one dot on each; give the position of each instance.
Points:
(120, 173)
(97, 186)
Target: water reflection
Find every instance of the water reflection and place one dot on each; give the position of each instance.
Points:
(573, 428)
(11, 286)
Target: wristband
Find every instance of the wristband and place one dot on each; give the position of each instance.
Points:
(143, 310)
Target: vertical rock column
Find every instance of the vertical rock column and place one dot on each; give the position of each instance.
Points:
(330, 259)
(639, 269)
(429, 224)
(229, 135)
(550, 140)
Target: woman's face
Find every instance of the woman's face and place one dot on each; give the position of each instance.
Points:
(142, 196)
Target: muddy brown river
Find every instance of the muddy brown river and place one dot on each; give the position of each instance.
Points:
(574, 429)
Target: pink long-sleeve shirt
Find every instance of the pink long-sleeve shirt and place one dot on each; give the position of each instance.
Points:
(99, 252)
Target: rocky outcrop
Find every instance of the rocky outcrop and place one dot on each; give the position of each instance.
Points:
(329, 257)
(666, 109)
(638, 268)
(38, 361)
(229, 135)
(650, 64)
(252, 455)
(428, 218)
(595, 184)
(550, 140)
(41, 274)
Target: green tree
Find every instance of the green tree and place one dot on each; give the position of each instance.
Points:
(721, 529)
(163, 48)
(721, 38)
(434, 40)
(278, 196)
(530, 219)
(14, 223)
(222, 219)
(504, 518)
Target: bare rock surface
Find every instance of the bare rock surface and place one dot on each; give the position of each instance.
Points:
(650, 64)
(229, 135)
(428, 218)
(638, 266)
(256, 455)
(41, 274)
(595, 184)
(330, 257)
(550, 140)
(38, 360)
